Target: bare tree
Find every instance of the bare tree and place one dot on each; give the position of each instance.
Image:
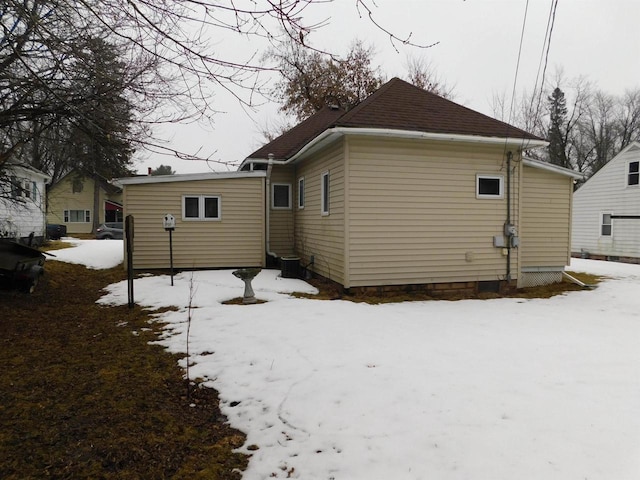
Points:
(175, 39)
(422, 73)
(628, 118)
(312, 80)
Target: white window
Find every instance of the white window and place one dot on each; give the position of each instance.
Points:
(281, 196)
(325, 200)
(489, 186)
(606, 226)
(633, 177)
(26, 189)
(301, 192)
(77, 216)
(200, 207)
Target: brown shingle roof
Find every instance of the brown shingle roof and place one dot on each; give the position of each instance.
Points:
(293, 140)
(397, 105)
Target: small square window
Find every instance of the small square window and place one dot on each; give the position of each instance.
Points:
(191, 207)
(281, 196)
(489, 186)
(634, 173)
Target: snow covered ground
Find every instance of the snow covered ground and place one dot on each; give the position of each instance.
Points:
(492, 389)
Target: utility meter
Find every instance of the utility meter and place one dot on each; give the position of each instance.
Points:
(510, 230)
(169, 222)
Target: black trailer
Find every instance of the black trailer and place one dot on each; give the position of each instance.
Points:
(20, 266)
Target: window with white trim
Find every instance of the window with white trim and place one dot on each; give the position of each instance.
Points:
(77, 216)
(301, 192)
(325, 200)
(489, 186)
(633, 177)
(606, 226)
(201, 207)
(281, 196)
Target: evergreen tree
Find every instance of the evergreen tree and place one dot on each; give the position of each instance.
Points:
(163, 170)
(557, 133)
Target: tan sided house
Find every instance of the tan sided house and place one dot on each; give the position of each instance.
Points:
(406, 189)
(70, 202)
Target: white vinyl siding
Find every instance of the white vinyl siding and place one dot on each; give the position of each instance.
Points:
(26, 214)
(608, 191)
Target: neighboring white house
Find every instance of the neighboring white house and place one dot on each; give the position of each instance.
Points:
(23, 203)
(606, 209)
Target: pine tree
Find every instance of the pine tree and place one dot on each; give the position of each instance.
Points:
(557, 129)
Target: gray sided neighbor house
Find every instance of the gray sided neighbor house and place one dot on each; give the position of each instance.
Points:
(406, 189)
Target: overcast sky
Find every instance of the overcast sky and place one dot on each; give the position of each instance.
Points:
(477, 51)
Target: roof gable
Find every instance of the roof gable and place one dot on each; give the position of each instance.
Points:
(397, 105)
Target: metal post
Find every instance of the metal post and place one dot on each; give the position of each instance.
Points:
(171, 254)
(128, 225)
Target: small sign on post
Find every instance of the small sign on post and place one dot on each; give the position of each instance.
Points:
(169, 224)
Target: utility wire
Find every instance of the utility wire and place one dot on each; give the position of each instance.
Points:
(547, 40)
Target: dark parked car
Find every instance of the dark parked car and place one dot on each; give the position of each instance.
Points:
(109, 230)
(55, 231)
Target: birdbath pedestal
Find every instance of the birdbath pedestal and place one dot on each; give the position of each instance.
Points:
(246, 275)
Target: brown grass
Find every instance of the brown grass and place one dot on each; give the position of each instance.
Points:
(85, 397)
(329, 291)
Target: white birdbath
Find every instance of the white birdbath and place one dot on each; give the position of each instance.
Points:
(246, 275)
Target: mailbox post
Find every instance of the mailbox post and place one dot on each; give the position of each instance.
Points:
(169, 224)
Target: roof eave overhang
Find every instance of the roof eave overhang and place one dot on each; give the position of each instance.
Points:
(550, 167)
(332, 134)
(185, 177)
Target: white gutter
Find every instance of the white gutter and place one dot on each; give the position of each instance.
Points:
(550, 167)
(387, 132)
(268, 208)
(331, 133)
(185, 177)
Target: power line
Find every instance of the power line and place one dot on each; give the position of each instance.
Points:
(547, 39)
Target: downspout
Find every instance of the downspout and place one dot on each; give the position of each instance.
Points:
(268, 208)
(508, 221)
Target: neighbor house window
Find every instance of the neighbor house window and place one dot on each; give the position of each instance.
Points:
(605, 225)
(200, 207)
(281, 195)
(26, 189)
(634, 173)
(77, 216)
(301, 192)
(489, 186)
(324, 194)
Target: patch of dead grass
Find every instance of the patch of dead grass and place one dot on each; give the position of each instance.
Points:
(329, 291)
(83, 397)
